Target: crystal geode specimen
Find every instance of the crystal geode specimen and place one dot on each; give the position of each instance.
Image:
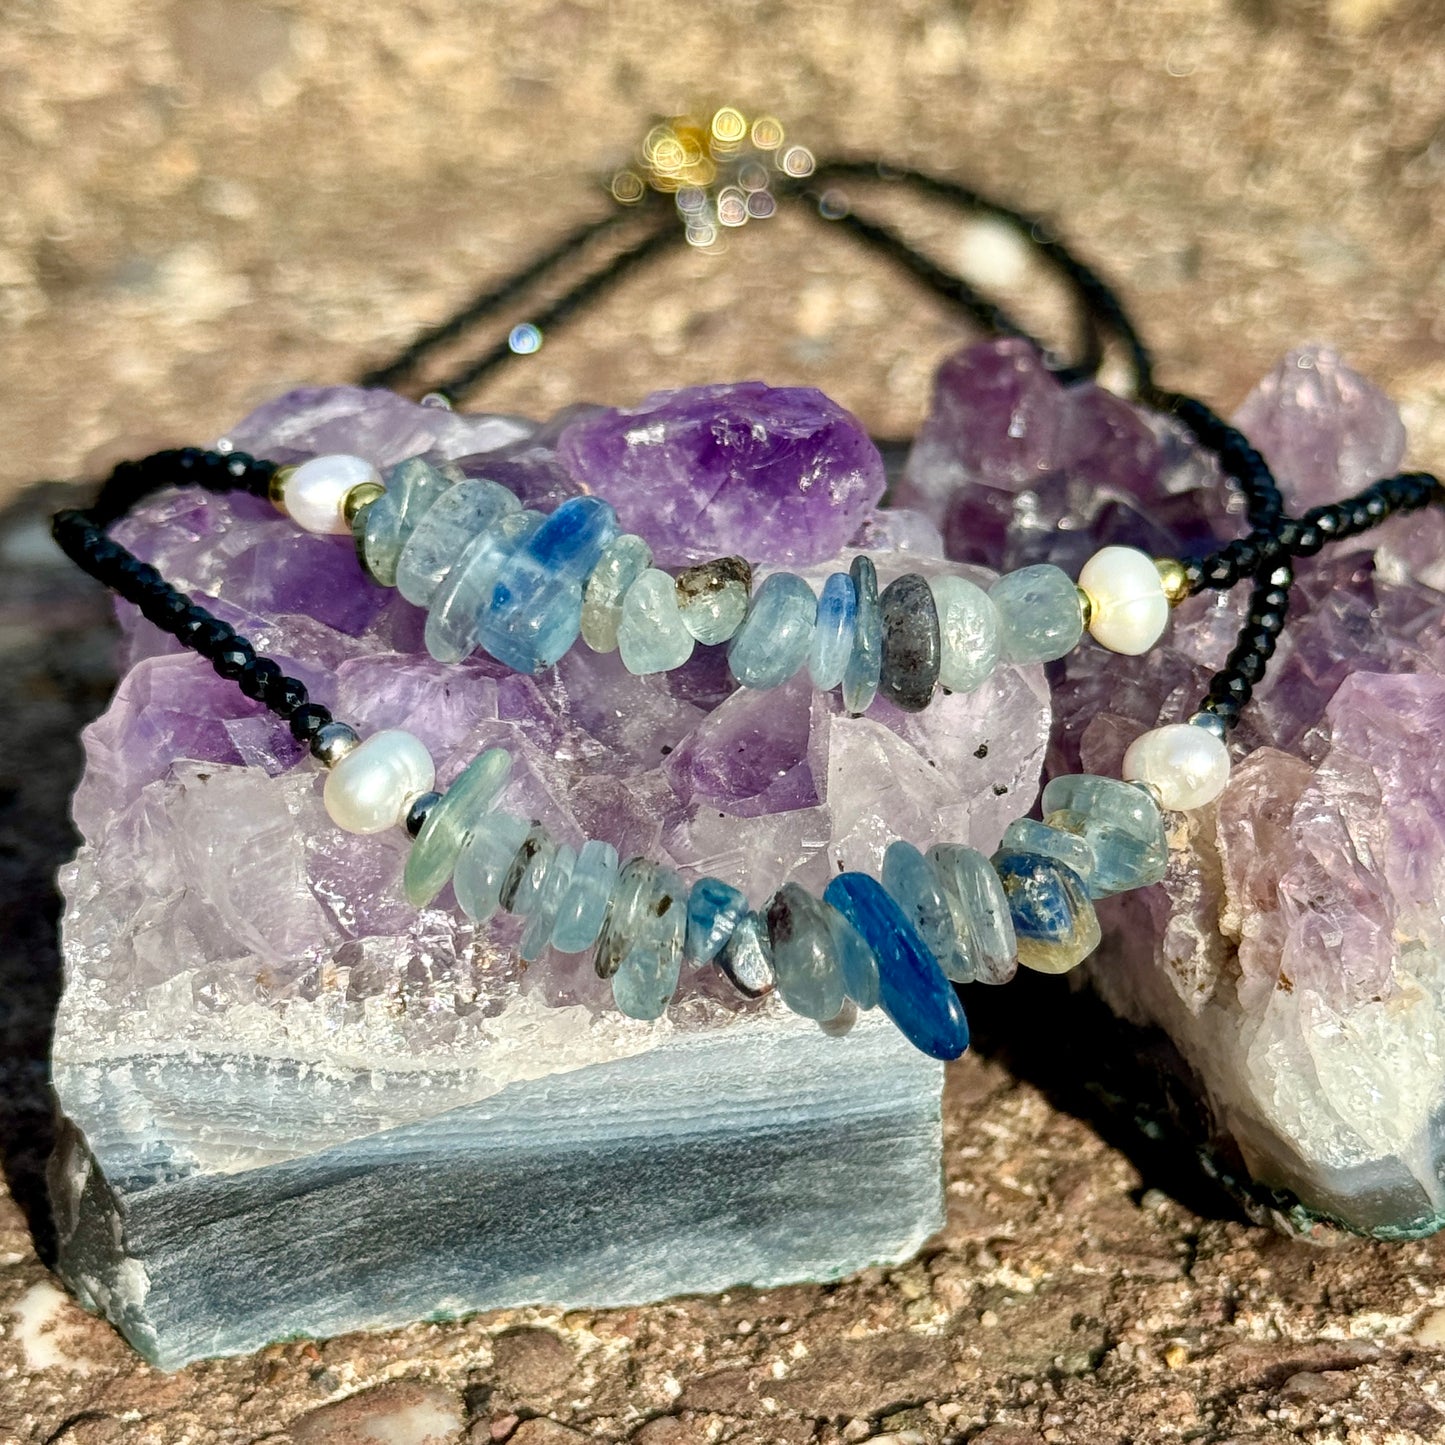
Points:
(298, 1105)
(1295, 954)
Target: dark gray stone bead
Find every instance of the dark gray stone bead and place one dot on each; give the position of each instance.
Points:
(912, 646)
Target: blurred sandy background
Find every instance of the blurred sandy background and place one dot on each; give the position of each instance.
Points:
(207, 200)
(204, 201)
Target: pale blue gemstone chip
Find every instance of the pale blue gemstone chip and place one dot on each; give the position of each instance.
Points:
(1122, 825)
(858, 962)
(432, 550)
(485, 863)
(583, 908)
(713, 910)
(413, 486)
(833, 634)
(865, 661)
(544, 902)
(805, 960)
(451, 623)
(980, 911)
(451, 823)
(1040, 616)
(1028, 835)
(649, 942)
(773, 641)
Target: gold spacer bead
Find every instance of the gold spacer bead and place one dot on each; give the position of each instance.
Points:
(1086, 607)
(277, 488)
(358, 498)
(1174, 578)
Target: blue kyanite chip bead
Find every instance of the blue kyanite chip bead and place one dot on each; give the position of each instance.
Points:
(912, 990)
(1053, 920)
(534, 611)
(1121, 824)
(713, 911)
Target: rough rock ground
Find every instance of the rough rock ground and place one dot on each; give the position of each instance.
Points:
(210, 199)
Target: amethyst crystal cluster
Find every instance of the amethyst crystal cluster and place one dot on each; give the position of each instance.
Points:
(1296, 952)
(300, 1105)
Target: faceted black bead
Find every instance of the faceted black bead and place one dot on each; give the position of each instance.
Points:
(1309, 541)
(1194, 574)
(257, 677)
(233, 659)
(1268, 619)
(307, 720)
(1220, 572)
(283, 695)
(211, 637)
(165, 609)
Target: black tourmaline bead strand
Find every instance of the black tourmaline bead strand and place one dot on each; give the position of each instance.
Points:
(1231, 688)
(81, 535)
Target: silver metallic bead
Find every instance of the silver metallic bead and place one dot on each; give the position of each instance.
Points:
(417, 814)
(334, 742)
(1210, 722)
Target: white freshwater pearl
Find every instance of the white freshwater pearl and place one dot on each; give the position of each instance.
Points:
(315, 492)
(1129, 610)
(370, 789)
(1186, 765)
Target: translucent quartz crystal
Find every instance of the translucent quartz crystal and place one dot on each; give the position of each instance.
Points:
(451, 822)
(412, 487)
(1053, 920)
(485, 863)
(534, 611)
(446, 527)
(652, 636)
(865, 662)
(713, 598)
(546, 898)
(773, 641)
(910, 643)
(583, 908)
(713, 910)
(968, 632)
(857, 962)
(1121, 824)
(833, 633)
(452, 620)
(622, 562)
(747, 957)
(810, 979)
(1028, 835)
(1040, 616)
(912, 989)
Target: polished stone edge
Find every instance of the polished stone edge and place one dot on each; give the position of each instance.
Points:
(608, 1185)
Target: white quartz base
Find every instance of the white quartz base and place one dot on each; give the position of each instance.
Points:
(760, 1153)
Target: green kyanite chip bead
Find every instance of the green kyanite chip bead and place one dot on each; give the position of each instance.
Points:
(450, 824)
